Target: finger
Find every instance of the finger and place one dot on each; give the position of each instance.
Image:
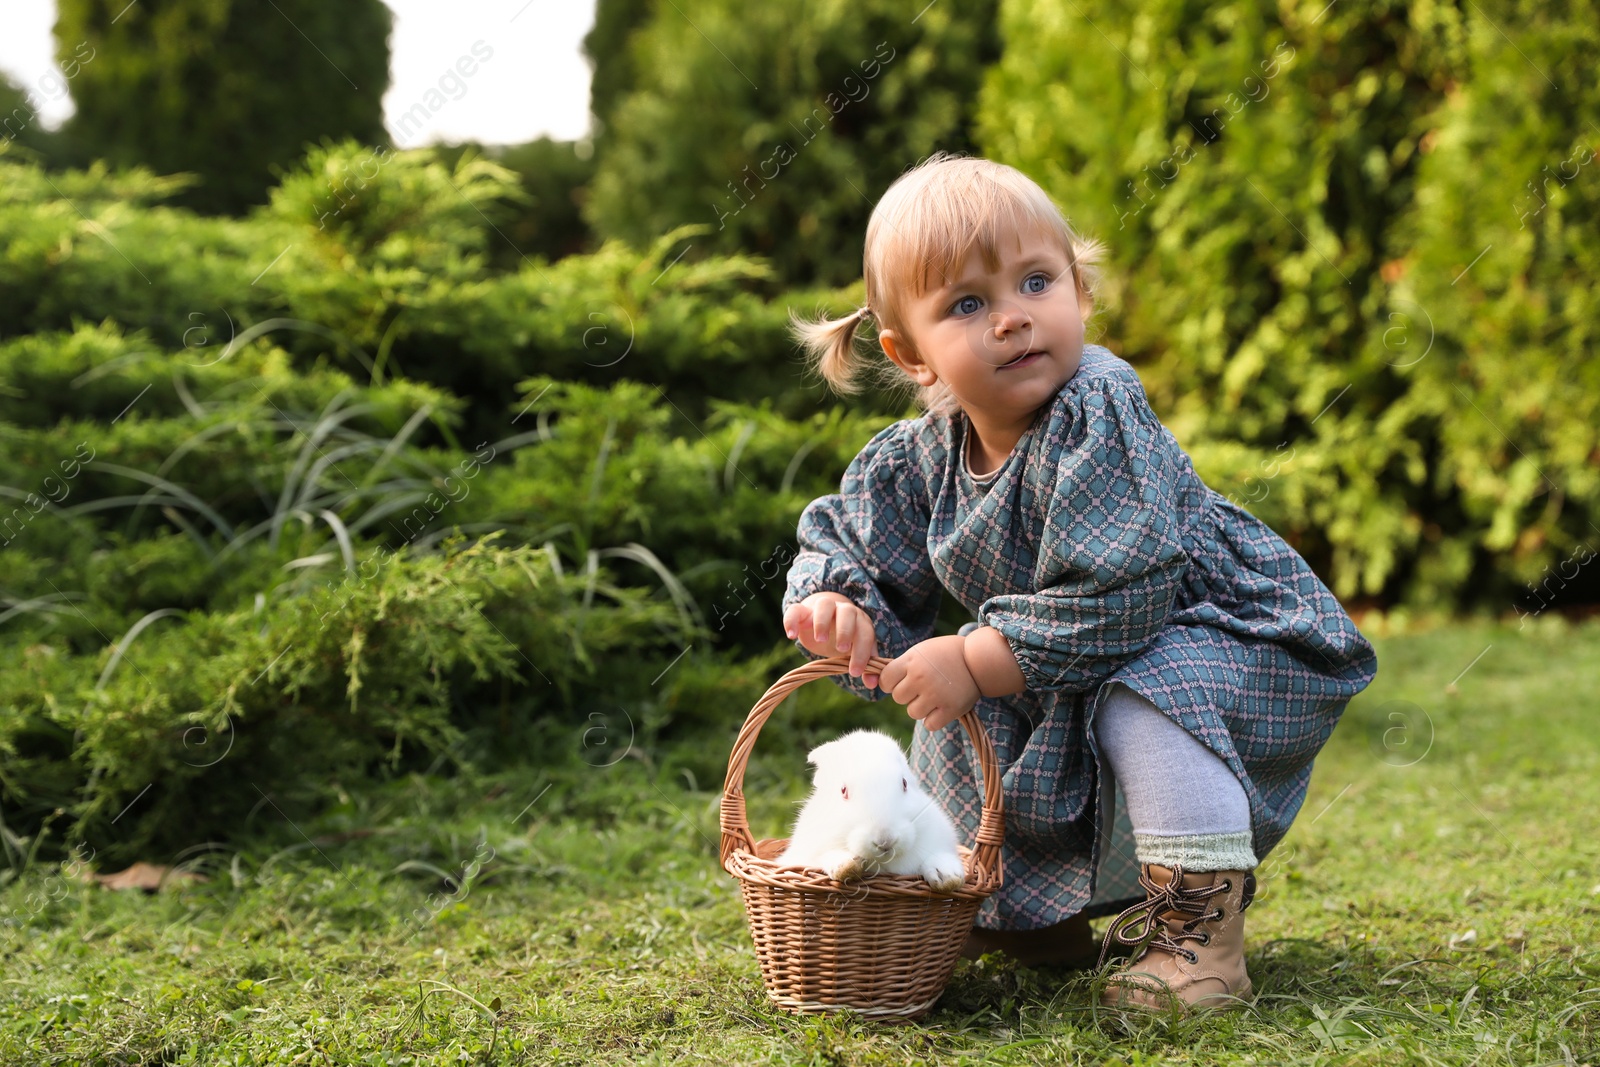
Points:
(822, 620)
(866, 649)
(797, 616)
(917, 705)
(844, 629)
(940, 718)
(857, 642)
(806, 635)
(893, 674)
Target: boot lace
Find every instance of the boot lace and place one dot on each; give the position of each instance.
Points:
(1159, 899)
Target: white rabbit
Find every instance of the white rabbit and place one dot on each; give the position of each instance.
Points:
(867, 815)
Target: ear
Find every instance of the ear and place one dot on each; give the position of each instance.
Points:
(900, 351)
(822, 754)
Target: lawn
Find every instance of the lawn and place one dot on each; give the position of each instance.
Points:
(1437, 902)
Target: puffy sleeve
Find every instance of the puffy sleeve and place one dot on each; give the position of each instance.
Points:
(869, 542)
(1111, 556)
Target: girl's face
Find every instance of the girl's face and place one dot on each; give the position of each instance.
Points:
(970, 332)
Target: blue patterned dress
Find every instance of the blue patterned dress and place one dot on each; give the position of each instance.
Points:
(1100, 555)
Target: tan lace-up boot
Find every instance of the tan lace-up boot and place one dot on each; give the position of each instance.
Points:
(1195, 952)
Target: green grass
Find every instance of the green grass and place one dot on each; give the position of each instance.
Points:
(1437, 902)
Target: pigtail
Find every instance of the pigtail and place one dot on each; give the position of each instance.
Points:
(1087, 256)
(830, 347)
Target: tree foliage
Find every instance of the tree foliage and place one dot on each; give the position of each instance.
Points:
(226, 89)
(817, 108)
(555, 176)
(1292, 197)
(19, 120)
(610, 57)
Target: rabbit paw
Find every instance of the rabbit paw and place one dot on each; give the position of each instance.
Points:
(944, 874)
(843, 866)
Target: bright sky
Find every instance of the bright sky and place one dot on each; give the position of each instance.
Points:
(534, 82)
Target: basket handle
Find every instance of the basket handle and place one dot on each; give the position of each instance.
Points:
(736, 828)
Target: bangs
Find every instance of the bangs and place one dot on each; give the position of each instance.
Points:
(932, 218)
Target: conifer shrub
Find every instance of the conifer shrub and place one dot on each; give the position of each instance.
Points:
(1292, 198)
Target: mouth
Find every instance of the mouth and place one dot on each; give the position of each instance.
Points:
(1032, 355)
(875, 857)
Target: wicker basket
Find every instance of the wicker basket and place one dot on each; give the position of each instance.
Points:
(883, 946)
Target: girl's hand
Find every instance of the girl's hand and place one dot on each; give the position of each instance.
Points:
(933, 682)
(829, 624)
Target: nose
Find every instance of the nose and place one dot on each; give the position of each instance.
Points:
(1009, 319)
(883, 842)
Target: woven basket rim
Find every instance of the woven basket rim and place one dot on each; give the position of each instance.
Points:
(757, 869)
(739, 853)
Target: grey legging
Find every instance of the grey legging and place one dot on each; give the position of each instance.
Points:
(1184, 803)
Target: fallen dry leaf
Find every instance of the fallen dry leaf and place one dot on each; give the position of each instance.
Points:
(147, 876)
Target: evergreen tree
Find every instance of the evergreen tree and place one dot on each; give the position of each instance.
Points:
(555, 175)
(19, 118)
(606, 48)
(780, 124)
(1295, 201)
(232, 90)
(1495, 267)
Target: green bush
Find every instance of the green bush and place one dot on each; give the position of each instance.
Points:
(224, 499)
(1263, 179)
(375, 263)
(238, 454)
(217, 712)
(1495, 265)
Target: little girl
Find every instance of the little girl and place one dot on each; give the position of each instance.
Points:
(1130, 622)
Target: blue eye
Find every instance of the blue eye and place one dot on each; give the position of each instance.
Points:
(1043, 280)
(960, 308)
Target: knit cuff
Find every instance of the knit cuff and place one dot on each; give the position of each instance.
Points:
(1197, 852)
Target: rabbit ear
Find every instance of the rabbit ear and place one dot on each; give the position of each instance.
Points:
(824, 753)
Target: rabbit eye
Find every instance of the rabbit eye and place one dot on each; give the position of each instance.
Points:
(903, 787)
(844, 791)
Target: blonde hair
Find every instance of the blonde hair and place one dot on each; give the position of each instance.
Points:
(924, 227)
